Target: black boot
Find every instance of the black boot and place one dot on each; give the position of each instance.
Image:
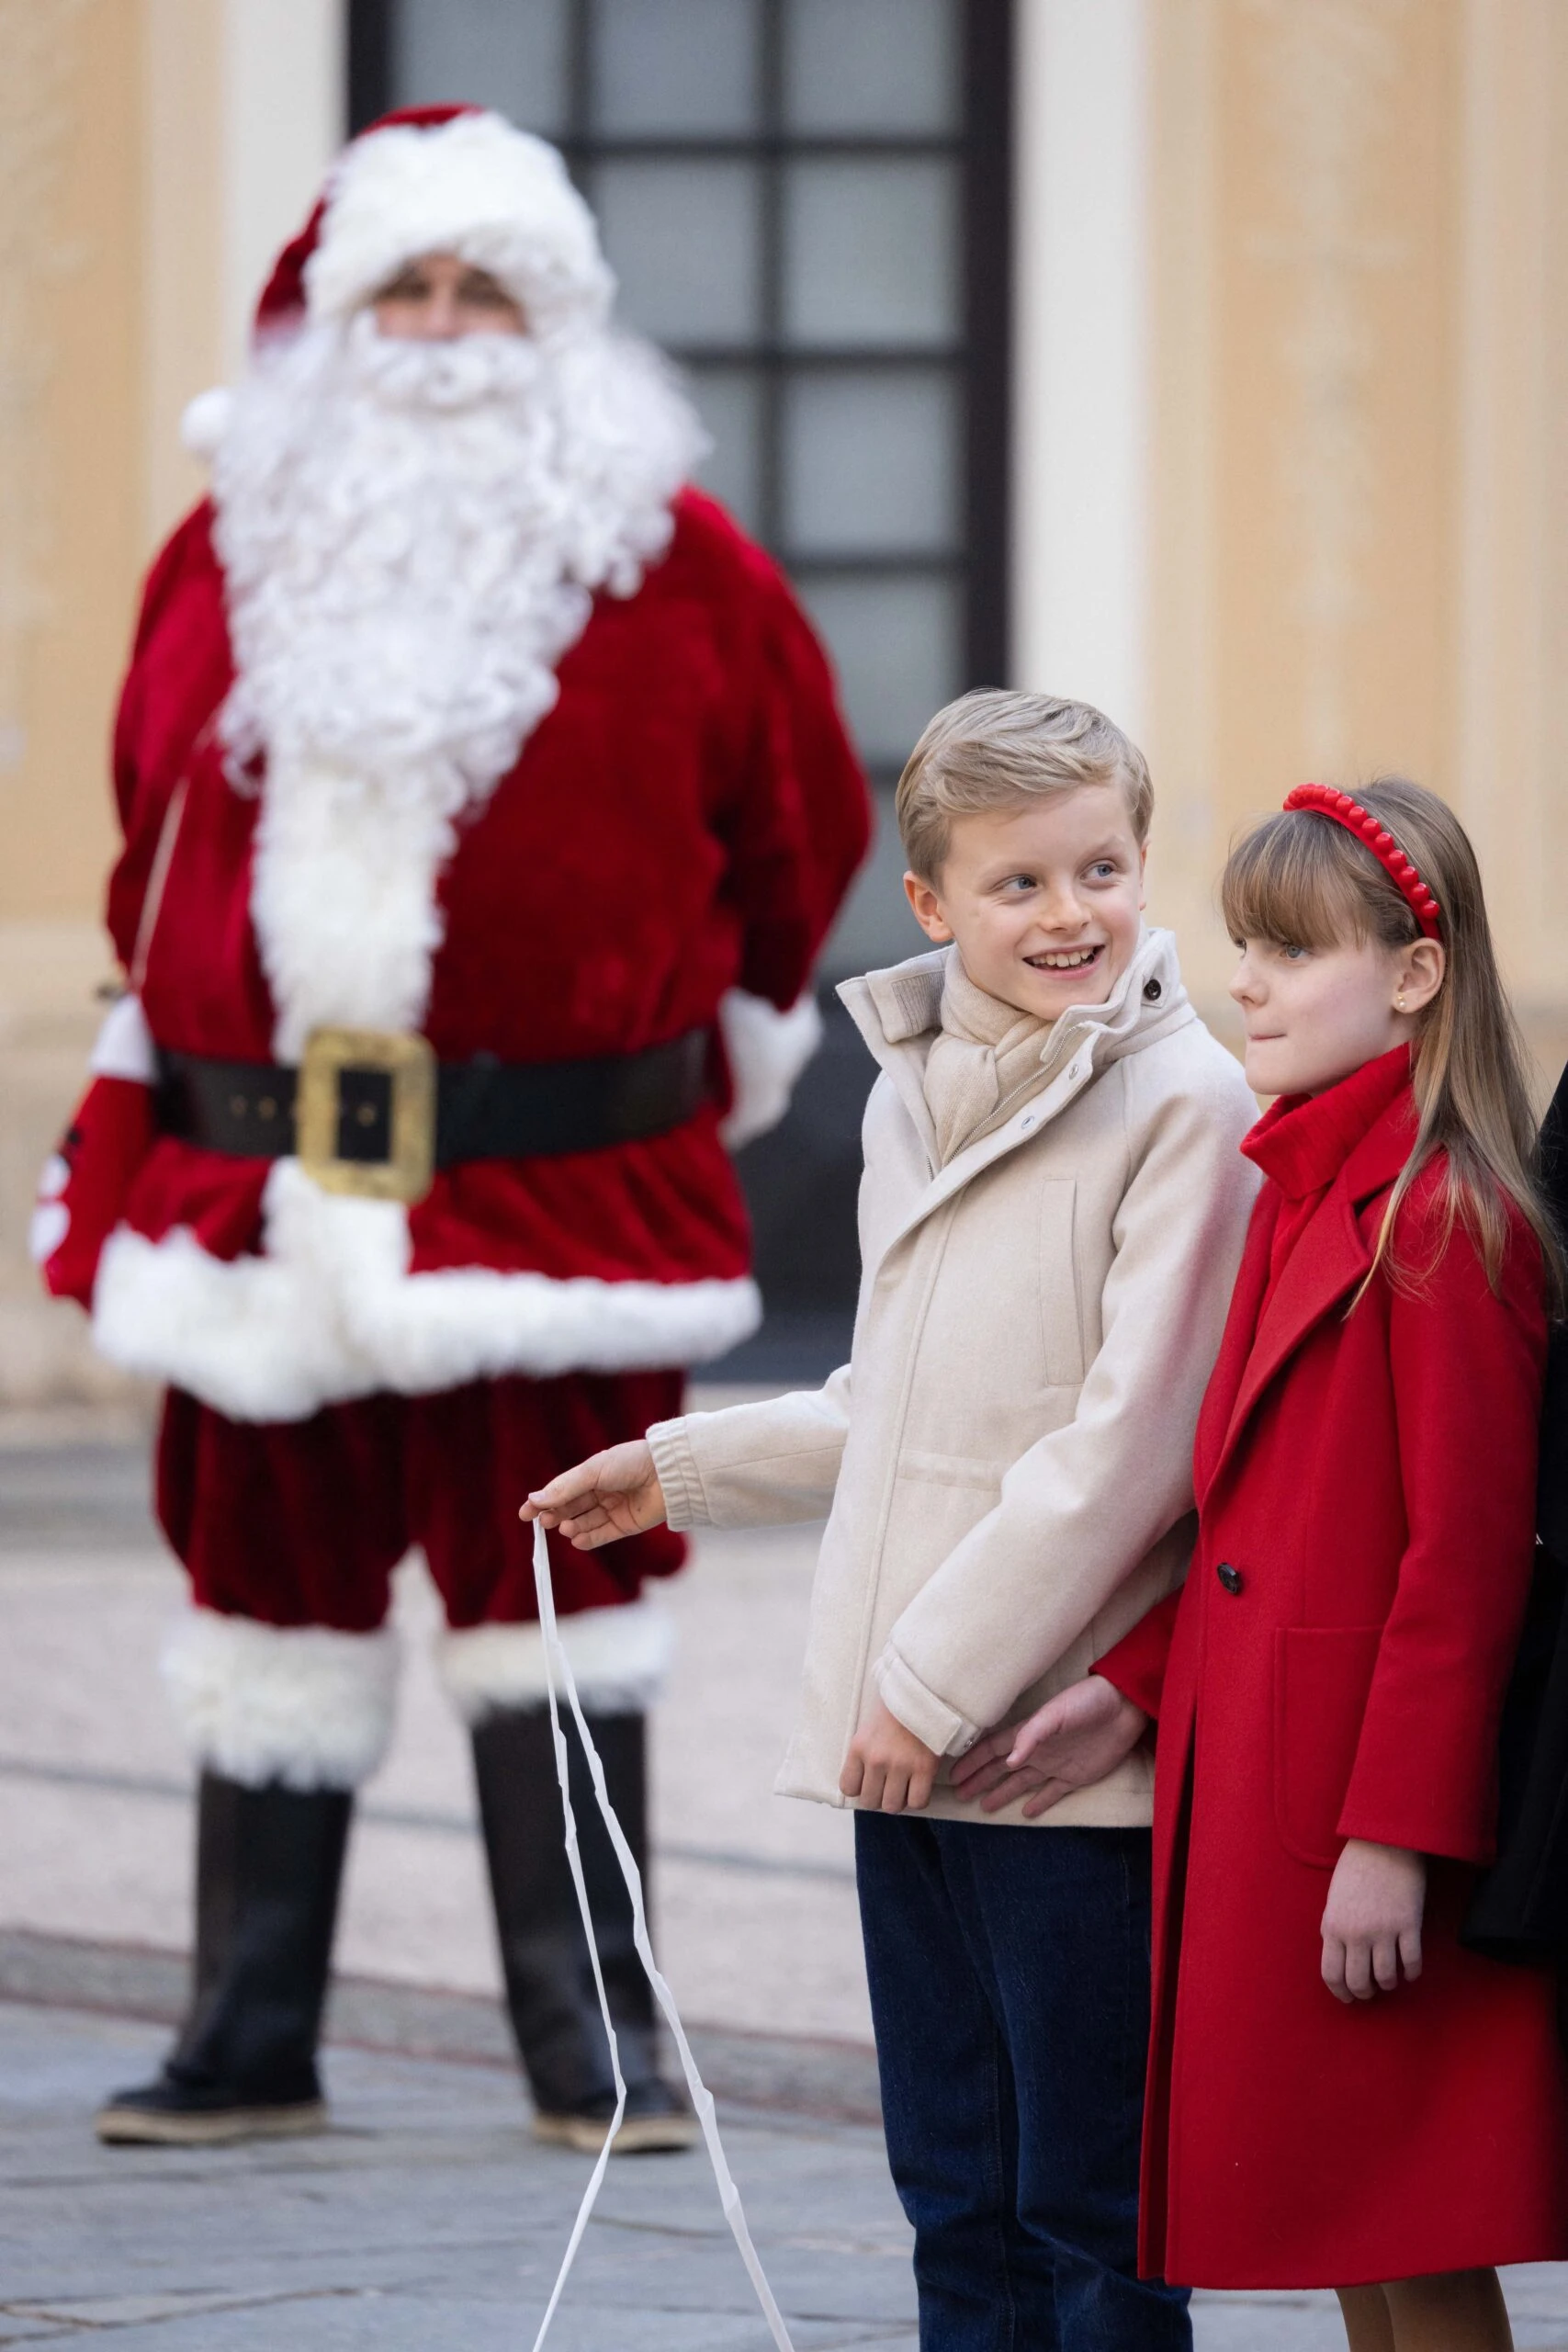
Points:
(270, 1863)
(544, 1953)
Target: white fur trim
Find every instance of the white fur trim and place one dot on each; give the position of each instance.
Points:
(767, 1050)
(620, 1659)
(299, 1704)
(331, 1312)
(123, 1048)
(51, 1220)
(205, 421)
(247, 1338)
(46, 1228)
(342, 900)
(358, 478)
(474, 186)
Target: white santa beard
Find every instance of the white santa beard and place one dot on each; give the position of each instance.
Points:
(405, 561)
(343, 899)
(410, 537)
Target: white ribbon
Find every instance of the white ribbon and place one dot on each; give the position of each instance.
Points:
(557, 1668)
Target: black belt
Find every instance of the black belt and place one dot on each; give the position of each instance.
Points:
(484, 1109)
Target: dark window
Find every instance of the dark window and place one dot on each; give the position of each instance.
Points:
(805, 202)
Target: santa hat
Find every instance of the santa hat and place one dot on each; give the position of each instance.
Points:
(444, 179)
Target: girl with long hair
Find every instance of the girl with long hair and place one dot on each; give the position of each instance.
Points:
(1339, 2093)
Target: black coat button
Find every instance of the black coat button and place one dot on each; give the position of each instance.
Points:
(1231, 1578)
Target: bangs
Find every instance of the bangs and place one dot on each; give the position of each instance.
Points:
(1295, 882)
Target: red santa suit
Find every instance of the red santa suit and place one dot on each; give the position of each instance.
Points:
(578, 818)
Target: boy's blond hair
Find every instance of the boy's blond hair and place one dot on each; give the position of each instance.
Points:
(994, 748)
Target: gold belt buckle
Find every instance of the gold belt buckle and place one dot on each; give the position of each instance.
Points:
(407, 1172)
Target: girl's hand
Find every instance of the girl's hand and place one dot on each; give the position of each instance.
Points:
(1371, 1922)
(611, 1494)
(1072, 1741)
(887, 1768)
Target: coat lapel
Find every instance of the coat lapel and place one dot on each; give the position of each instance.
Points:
(1328, 1262)
(1218, 1407)
(1037, 1113)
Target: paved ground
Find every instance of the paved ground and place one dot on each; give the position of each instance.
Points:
(754, 1896)
(427, 2218)
(427, 2222)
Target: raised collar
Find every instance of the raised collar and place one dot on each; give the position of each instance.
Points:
(1357, 1138)
(902, 1003)
(1303, 1141)
(898, 1011)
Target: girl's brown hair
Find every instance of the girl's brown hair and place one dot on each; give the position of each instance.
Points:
(1302, 880)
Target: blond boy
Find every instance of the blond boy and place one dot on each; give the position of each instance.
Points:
(1051, 1216)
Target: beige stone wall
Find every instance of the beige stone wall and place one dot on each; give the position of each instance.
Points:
(71, 537)
(181, 223)
(1359, 315)
(69, 451)
(149, 152)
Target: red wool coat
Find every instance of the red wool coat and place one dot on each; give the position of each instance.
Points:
(683, 823)
(1335, 1668)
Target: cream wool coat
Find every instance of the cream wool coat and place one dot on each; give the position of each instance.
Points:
(1006, 1461)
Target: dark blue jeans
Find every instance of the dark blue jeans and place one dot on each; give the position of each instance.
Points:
(1010, 1990)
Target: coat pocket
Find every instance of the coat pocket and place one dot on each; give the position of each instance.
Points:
(1322, 1675)
(1061, 1325)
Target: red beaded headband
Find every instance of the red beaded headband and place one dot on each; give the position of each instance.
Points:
(1323, 801)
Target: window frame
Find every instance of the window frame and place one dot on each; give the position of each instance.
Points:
(804, 1176)
(981, 354)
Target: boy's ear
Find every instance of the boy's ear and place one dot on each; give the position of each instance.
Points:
(1142, 875)
(926, 908)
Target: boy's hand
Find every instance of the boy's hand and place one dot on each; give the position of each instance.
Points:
(611, 1494)
(1371, 1922)
(887, 1768)
(1072, 1741)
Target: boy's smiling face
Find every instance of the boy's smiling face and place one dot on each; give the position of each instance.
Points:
(1043, 898)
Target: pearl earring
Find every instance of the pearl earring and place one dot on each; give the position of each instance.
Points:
(1399, 1002)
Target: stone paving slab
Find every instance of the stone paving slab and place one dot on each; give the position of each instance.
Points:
(427, 2220)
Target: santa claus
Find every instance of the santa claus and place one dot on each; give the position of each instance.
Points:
(485, 804)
